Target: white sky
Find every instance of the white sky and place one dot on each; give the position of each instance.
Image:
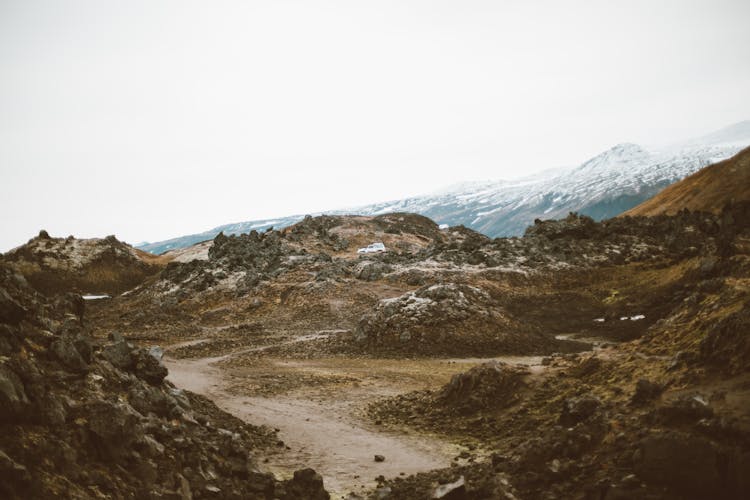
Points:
(152, 119)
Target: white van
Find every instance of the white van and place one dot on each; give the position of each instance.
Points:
(372, 248)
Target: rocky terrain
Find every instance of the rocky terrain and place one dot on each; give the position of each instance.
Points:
(89, 418)
(663, 416)
(434, 292)
(585, 359)
(90, 266)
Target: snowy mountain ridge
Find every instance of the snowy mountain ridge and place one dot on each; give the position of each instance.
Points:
(601, 187)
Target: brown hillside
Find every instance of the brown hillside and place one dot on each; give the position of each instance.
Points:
(707, 190)
(96, 265)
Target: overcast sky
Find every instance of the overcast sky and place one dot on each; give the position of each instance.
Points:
(152, 119)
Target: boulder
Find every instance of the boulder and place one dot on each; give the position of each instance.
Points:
(114, 427)
(371, 270)
(148, 399)
(149, 367)
(451, 491)
(490, 385)
(65, 350)
(579, 409)
(119, 354)
(306, 484)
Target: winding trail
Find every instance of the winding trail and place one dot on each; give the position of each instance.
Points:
(320, 426)
(324, 434)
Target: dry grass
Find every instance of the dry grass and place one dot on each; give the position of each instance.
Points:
(706, 190)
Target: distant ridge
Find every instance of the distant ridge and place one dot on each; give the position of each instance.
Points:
(707, 190)
(605, 186)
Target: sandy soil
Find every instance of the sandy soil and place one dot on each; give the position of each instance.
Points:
(317, 405)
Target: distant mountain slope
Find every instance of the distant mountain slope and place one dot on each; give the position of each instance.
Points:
(706, 190)
(602, 187)
(736, 134)
(234, 228)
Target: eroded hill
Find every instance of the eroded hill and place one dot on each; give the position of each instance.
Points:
(93, 266)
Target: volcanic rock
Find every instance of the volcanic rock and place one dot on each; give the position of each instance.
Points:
(489, 385)
(579, 409)
(81, 419)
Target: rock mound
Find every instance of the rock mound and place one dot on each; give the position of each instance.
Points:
(318, 229)
(97, 265)
(408, 223)
(577, 242)
(447, 318)
(489, 385)
(573, 226)
(257, 251)
(236, 262)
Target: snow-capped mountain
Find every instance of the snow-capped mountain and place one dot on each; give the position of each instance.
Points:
(233, 228)
(602, 187)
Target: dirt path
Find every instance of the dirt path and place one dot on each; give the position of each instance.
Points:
(322, 433)
(317, 406)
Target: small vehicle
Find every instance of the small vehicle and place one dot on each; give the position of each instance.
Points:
(372, 248)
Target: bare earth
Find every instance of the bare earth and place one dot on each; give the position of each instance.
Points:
(321, 424)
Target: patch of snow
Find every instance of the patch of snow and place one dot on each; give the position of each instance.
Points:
(199, 251)
(95, 297)
(265, 223)
(632, 318)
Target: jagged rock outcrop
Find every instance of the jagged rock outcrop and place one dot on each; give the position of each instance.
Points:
(238, 264)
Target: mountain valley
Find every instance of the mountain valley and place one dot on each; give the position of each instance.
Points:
(584, 359)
